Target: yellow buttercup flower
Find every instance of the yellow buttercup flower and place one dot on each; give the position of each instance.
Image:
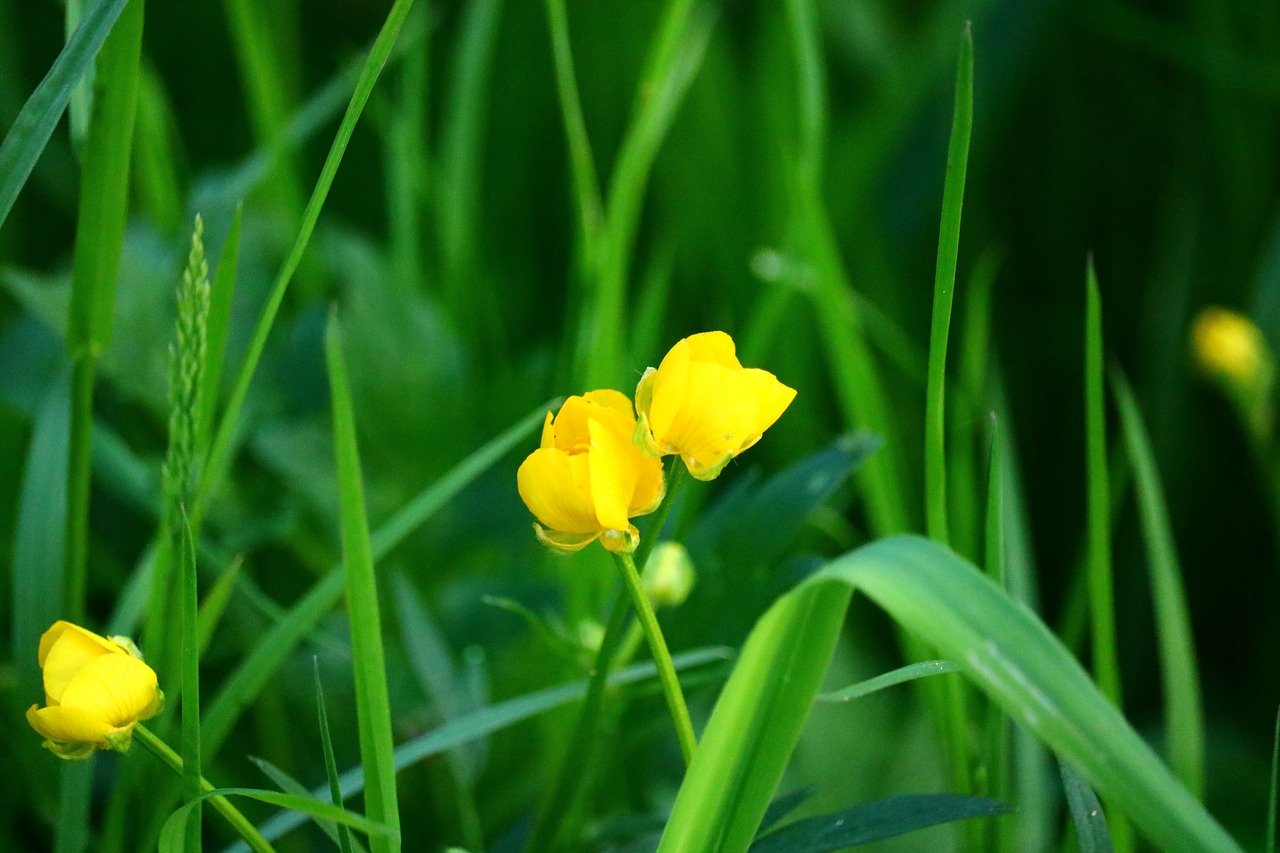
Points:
(588, 478)
(703, 405)
(96, 690)
(1228, 345)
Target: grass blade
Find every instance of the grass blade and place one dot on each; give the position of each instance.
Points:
(34, 125)
(190, 654)
(330, 763)
(104, 206)
(1184, 714)
(935, 446)
(1086, 812)
(302, 618)
(373, 708)
(911, 672)
(1275, 788)
(220, 452)
(997, 643)
(867, 822)
(1101, 605)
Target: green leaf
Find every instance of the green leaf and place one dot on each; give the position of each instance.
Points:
(330, 763)
(1086, 812)
(889, 679)
(1000, 645)
(944, 282)
(171, 834)
(1184, 713)
(373, 707)
(873, 821)
(34, 125)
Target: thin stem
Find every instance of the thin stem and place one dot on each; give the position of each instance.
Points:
(221, 805)
(661, 657)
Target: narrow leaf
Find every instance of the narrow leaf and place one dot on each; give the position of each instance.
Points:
(373, 708)
(889, 679)
(1086, 812)
(874, 821)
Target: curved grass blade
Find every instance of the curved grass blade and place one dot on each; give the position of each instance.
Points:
(34, 125)
(1002, 647)
(1184, 714)
(373, 705)
(171, 834)
(220, 451)
(867, 822)
(785, 805)
(1086, 811)
(343, 836)
(889, 679)
(944, 284)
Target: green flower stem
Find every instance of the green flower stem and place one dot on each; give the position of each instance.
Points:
(661, 657)
(221, 805)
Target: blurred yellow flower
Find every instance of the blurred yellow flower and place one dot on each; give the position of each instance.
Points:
(702, 404)
(588, 478)
(1229, 346)
(96, 690)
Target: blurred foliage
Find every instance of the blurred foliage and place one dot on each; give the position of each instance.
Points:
(1143, 133)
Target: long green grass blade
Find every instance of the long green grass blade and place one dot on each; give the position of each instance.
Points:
(935, 442)
(1183, 710)
(190, 656)
(39, 539)
(1275, 788)
(674, 61)
(462, 147)
(220, 451)
(104, 207)
(756, 723)
(339, 834)
(330, 762)
(1101, 604)
(373, 706)
(1002, 647)
(34, 125)
(278, 643)
(171, 839)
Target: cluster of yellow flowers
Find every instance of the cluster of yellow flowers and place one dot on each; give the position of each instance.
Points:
(599, 463)
(96, 690)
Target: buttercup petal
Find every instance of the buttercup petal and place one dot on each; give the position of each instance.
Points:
(65, 649)
(614, 468)
(556, 488)
(716, 347)
(771, 396)
(62, 724)
(671, 391)
(548, 432)
(116, 689)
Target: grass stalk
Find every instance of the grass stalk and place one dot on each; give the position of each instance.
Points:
(935, 447)
(330, 763)
(373, 710)
(220, 452)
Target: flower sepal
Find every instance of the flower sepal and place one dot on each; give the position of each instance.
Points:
(563, 543)
(621, 541)
(70, 751)
(119, 740)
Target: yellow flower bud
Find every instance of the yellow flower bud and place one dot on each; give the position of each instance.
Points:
(588, 478)
(1229, 346)
(96, 690)
(669, 576)
(703, 405)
